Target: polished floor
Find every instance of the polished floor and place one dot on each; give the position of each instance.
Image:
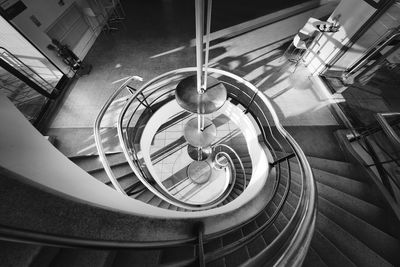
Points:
(158, 36)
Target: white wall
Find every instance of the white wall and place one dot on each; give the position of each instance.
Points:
(47, 13)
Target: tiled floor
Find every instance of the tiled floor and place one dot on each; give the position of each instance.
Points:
(139, 50)
(171, 166)
(166, 167)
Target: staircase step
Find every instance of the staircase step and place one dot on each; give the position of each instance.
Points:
(313, 259)
(328, 252)
(333, 166)
(119, 171)
(237, 257)
(18, 254)
(155, 201)
(338, 167)
(93, 163)
(316, 141)
(173, 254)
(383, 244)
(130, 257)
(45, 256)
(349, 186)
(163, 204)
(257, 244)
(350, 246)
(368, 212)
(145, 196)
(126, 181)
(213, 245)
(83, 258)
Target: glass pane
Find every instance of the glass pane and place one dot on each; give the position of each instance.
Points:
(24, 57)
(28, 101)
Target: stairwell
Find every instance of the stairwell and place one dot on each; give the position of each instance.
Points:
(355, 226)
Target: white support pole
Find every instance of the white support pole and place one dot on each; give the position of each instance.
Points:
(199, 41)
(199, 8)
(209, 7)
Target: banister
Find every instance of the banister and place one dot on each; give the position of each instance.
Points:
(392, 135)
(97, 140)
(240, 161)
(305, 212)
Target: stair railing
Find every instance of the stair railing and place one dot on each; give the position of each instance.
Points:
(296, 236)
(288, 248)
(153, 94)
(260, 108)
(382, 145)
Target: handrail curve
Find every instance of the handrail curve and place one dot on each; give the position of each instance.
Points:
(305, 212)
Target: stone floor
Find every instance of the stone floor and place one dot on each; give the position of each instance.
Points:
(151, 44)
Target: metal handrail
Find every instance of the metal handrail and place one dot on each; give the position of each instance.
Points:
(240, 161)
(137, 169)
(393, 137)
(97, 140)
(164, 194)
(363, 61)
(306, 210)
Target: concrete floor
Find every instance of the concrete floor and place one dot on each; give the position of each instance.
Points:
(156, 40)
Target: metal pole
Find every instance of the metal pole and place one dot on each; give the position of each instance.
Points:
(199, 41)
(209, 6)
(199, 8)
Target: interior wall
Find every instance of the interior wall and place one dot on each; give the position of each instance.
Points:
(47, 12)
(350, 15)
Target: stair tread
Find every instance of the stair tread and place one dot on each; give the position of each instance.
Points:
(131, 257)
(366, 211)
(380, 242)
(172, 254)
(126, 181)
(313, 259)
(328, 252)
(17, 254)
(347, 185)
(145, 196)
(93, 163)
(350, 246)
(119, 171)
(82, 258)
(343, 168)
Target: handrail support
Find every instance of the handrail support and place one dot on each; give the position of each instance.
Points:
(200, 232)
(251, 102)
(291, 155)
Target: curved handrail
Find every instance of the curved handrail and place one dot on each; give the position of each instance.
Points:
(306, 210)
(392, 135)
(240, 161)
(97, 140)
(168, 198)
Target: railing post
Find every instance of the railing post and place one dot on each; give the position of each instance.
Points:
(251, 102)
(292, 155)
(132, 90)
(200, 232)
(381, 170)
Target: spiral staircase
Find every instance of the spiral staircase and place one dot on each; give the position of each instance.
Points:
(265, 210)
